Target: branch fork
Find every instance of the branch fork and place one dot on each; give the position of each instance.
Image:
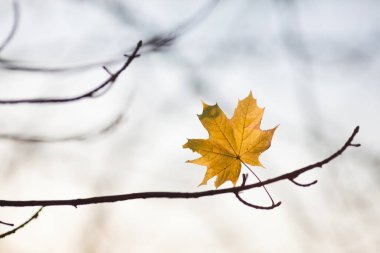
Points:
(178, 195)
(101, 89)
(181, 195)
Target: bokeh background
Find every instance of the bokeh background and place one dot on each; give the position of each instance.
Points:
(314, 66)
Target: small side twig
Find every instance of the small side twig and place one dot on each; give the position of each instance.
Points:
(302, 184)
(265, 189)
(34, 216)
(108, 71)
(272, 206)
(6, 223)
(90, 94)
(177, 195)
(237, 194)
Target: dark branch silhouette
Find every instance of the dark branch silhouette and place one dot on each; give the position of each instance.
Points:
(96, 92)
(155, 43)
(302, 184)
(34, 216)
(256, 206)
(179, 195)
(6, 223)
(16, 17)
(78, 137)
(245, 177)
(237, 194)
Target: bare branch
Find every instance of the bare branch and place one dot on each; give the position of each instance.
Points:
(177, 195)
(16, 17)
(272, 206)
(245, 178)
(108, 71)
(35, 216)
(301, 184)
(78, 137)
(237, 194)
(265, 189)
(90, 94)
(6, 223)
(88, 135)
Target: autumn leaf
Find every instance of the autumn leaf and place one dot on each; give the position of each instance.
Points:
(231, 141)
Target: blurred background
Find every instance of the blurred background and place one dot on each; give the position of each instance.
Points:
(314, 66)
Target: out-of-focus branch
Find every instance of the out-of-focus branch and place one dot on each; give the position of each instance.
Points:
(302, 63)
(179, 195)
(107, 128)
(155, 43)
(34, 216)
(16, 17)
(96, 92)
(161, 41)
(78, 137)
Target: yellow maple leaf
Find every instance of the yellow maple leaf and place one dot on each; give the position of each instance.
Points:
(231, 141)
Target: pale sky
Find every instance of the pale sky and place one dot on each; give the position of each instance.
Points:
(313, 65)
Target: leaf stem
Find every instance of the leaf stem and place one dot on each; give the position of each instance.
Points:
(179, 195)
(266, 190)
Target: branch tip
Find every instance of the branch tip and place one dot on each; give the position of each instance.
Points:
(135, 56)
(245, 177)
(104, 86)
(184, 195)
(302, 184)
(34, 216)
(107, 70)
(257, 206)
(6, 223)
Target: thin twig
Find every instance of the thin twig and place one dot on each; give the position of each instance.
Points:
(177, 195)
(237, 194)
(272, 206)
(16, 17)
(114, 123)
(6, 223)
(35, 216)
(90, 94)
(302, 184)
